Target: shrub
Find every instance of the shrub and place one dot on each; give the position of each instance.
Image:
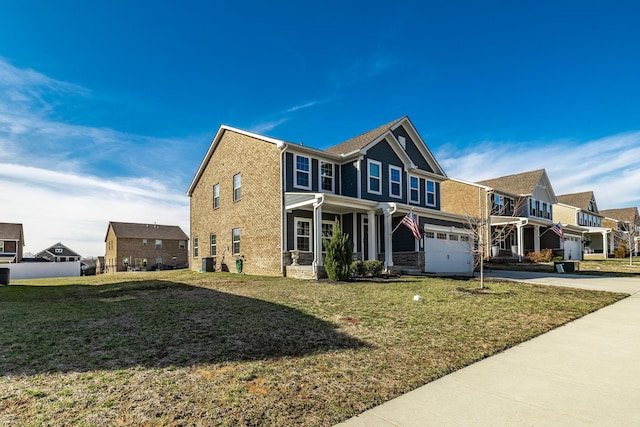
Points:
(370, 268)
(373, 268)
(338, 255)
(544, 255)
(358, 269)
(621, 251)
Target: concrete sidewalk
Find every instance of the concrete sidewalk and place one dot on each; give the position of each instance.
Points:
(586, 373)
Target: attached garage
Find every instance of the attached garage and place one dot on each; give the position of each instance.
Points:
(572, 247)
(448, 251)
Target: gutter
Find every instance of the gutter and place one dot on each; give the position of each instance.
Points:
(317, 221)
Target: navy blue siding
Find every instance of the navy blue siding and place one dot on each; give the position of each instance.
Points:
(412, 150)
(403, 239)
(349, 175)
(382, 152)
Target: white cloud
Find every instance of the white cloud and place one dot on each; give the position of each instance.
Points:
(608, 166)
(76, 209)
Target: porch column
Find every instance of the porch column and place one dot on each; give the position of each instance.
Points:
(536, 238)
(605, 244)
(317, 234)
(388, 244)
(520, 236)
(373, 253)
(355, 233)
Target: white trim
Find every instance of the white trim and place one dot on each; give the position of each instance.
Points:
(333, 176)
(409, 199)
(295, 233)
(369, 163)
(427, 192)
(296, 170)
(233, 241)
(239, 187)
(399, 196)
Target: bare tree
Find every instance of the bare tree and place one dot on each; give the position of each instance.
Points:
(628, 233)
(486, 235)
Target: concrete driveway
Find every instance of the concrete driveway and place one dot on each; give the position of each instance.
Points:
(586, 373)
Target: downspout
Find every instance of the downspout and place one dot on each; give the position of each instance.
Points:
(283, 214)
(317, 239)
(388, 255)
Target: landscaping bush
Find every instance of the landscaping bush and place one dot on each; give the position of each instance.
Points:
(373, 268)
(544, 255)
(621, 251)
(370, 268)
(337, 262)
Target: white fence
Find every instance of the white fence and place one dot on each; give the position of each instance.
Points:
(38, 270)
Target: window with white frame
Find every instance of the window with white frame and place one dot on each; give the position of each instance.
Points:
(214, 244)
(182, 244)
(414, 189)
(395, 181)
(327, 232)
(326, 176)
(302, 172)
(216, 196)
(374, 183)
(235, 239)
(144, 242)
(158, 244)
(237, 187)
(303, 234)
(430, 192)
(195, 247)
(1, 245)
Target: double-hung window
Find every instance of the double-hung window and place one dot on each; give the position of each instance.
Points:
(395, 182)
(158, 244)
(195, 247)
(302, 178)
(326, 176)
(216, 196)
(414, 189)
(214, 245)
(430, 193)
(237, 187)
(235, 239)
(303, 234)
(327, 232)
(374, 182)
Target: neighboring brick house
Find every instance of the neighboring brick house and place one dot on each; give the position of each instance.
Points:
(58, 253)
(11, 242)
(623, 221)
(271, 203)
(134, 246)
(581, 210)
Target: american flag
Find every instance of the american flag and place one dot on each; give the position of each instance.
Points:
(411, 222)
(557, 228)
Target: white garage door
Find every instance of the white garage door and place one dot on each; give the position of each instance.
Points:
(572, 248)
(447, 252)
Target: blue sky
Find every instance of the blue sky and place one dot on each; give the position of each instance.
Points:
(107, 108)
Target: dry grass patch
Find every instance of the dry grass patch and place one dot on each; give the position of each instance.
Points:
(182, 348)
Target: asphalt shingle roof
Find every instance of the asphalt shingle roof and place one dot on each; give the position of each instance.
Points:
(147, 231)
(622, 214)
(578, 200)
(10, 231)
(362, 140)
(521, 183)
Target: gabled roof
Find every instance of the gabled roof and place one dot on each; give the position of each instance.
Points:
(362, 140)
(146, 231)
(66, 252)
(520, 183)
(623, 214)
(216, 141)
(9, 231)
(578, 200)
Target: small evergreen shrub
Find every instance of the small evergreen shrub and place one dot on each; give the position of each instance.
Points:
(358, 269)
(339, 254)
(373, 268)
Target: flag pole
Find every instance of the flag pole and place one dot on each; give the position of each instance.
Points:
(400, 223)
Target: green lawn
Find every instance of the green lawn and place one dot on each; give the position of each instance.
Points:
(600, 267)
(182, 348)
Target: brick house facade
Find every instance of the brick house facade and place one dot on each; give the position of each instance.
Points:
(144, 247)
(271, 203)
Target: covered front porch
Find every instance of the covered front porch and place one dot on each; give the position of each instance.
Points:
(373, 228)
